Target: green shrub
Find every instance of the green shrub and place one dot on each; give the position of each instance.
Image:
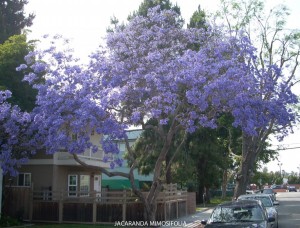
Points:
(7, 221)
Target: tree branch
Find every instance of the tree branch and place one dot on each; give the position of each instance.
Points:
(101, 169)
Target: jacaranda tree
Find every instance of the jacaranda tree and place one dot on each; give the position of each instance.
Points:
(147, 72)
(15, 136)
(275, 67)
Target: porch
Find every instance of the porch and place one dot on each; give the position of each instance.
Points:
(91, 207)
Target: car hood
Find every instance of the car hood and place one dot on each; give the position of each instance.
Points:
(239, 225)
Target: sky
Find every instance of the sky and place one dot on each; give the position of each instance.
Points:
(85, 22)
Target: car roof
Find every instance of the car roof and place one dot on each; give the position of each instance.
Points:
(255, 195)
(268, 189)
(242, 203)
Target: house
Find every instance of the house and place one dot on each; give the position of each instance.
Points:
(120, 183)
(60, 172)
(55, 188)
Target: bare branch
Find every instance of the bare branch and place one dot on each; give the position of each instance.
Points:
(99, 168)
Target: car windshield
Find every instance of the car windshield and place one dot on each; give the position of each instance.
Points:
(236, 214)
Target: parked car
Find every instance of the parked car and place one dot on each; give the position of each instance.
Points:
(291, 189)
(267, 202)
(271, 192)
(252, 191)
(244, 213)
(274, 186)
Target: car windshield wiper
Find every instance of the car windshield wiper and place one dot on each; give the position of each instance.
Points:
(245, 220)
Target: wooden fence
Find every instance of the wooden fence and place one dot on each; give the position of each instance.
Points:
(89, 207)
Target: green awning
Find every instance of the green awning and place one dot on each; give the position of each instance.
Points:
(119, 184)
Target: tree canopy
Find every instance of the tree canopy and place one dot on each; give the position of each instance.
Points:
(12, 53)
(13, 18)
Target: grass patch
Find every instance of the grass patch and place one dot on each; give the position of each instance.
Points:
(7, 221)
(217, 200)
(213, 202)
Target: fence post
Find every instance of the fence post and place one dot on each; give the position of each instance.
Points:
(165, 206)
(124, 205)
(94, 212)
(60, 208)
(31, 203)
(186, 202)
(177, 206)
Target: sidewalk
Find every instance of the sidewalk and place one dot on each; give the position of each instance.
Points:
(191, 221)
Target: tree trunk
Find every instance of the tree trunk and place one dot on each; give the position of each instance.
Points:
(224, 183)
(168, 171)
(150, 212)
(249, 154)
(242, 180)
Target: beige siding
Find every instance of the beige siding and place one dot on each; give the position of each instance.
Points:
(41, 176)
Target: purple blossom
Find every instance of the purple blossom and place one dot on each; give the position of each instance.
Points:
(21, 67)
(15, 146)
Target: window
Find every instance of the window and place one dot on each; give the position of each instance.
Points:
(24, 179)
(84, 185)
(72, 185)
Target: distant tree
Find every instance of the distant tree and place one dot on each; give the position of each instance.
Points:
(13, 18)
(294, 178)
(208, 157)
(148, 4)
(12, 53)
(198, 19)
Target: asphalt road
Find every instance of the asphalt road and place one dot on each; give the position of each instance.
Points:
(289, 209)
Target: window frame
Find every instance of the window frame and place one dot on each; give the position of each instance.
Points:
(24, 180)
(72, 193)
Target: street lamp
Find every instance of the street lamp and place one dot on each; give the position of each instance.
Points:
(280, 164)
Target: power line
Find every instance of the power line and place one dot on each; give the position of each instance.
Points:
(288, 148)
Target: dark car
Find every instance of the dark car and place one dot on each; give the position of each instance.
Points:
(292, 189)
(276, 186)
(267, 202)
(244, 213)
(271, 192)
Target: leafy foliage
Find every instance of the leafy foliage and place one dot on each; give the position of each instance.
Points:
(148, 4)
(12, 53)
(13, 18)
(198, 19)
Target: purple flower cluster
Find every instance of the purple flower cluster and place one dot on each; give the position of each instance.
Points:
(15, 146)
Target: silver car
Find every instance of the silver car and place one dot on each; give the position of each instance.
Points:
(268, 203)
